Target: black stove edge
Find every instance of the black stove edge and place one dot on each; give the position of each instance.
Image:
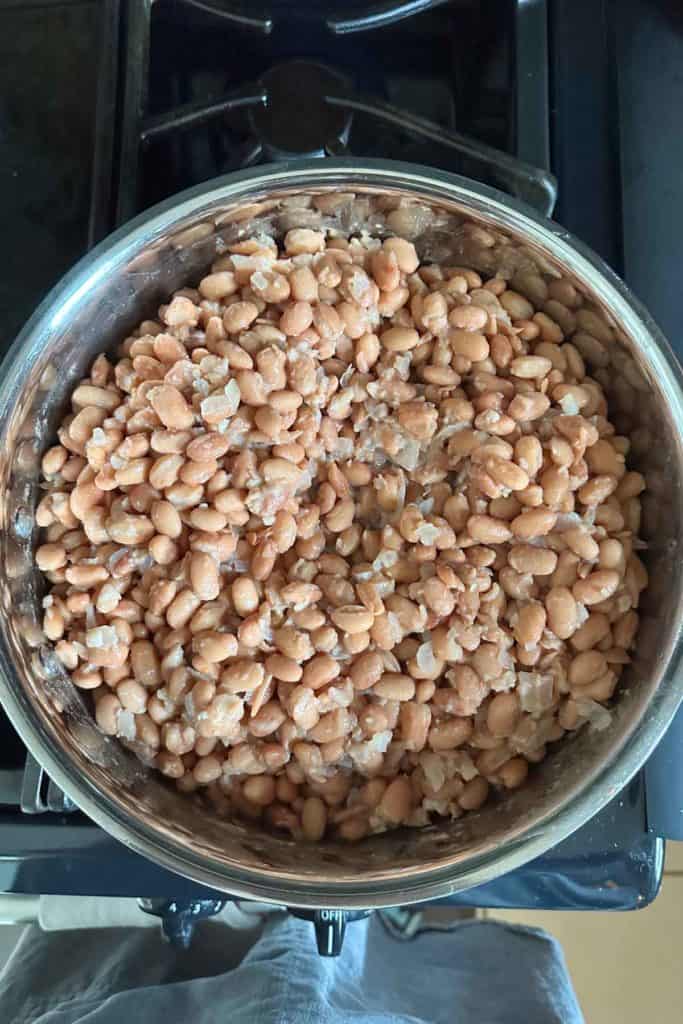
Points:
(648, 41)
(584, 138)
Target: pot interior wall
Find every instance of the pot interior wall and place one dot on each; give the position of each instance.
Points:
(128, 285)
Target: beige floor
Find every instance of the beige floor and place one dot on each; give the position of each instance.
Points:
(626, 968)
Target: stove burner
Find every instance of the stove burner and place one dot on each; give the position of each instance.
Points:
(296, 119)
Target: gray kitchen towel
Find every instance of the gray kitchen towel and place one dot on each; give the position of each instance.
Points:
(482, 971)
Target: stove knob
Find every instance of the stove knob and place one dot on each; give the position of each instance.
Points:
(330, 926)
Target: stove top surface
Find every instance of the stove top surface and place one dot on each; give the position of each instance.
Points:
(175, 93)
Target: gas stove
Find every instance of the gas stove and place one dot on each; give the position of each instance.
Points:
(520, 94)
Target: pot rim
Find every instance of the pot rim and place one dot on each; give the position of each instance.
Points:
(408, 885)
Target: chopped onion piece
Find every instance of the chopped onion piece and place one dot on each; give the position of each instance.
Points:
(385, 559)
(395, 627)
(568, 521)
(125, 725)
(427, 533)
(532, 733)
(582, 613)
(380, 741)
(570, 407)
(101, 636)
(598, 716)
(463, 764)
(505, 681)
(453, 648)
(408, 456)
(425, 658)
(432, 765)
(536, 692)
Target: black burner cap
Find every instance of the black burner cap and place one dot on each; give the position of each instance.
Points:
(296, 120)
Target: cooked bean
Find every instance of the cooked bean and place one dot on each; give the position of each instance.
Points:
(320, 671)
(537, 561)
(352, 618)
(562, 612)
(259, 790)
(222, 716)
(239, 316)
(366, 670)
(332, 726)
(610, 554)
(586, 667)
(171, 407)
(625, 630)
(245, 596)
(293, 643)
(215, 647)
(397, 801)
(284, 668)
(503, 714)
(107, 711)
(507, 474)
(529, 367)
(593, 631)
(597, 490)
(535, 522)
(204, 576)
(597, 587)
(469, 344)
(488, 530)
(415, 720)
(166, 519)
(395, 686)
(182, 608)
(468, 318)
(529, 454)
(581, 543)
(163, 550)
(341, 516)
(132, 695)
(513, 773)
(164, 471)
(89, 395)
(296, 318)
(50, 557)
(474, 793)
(450, 734)
(303, 240)
(218, 286)
(400, 339)
(313, 818)
(268, 718)
(241, 676)
(86, 575)
(313, 527)
(530, 625)
(145, 663)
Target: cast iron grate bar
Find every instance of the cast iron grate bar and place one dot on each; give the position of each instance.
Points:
(236, 13)
(532, 95)
(40, 794)
(191, 115)
(379, 15)
(532, 184)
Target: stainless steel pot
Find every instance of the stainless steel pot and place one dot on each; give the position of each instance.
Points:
(125, 279)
